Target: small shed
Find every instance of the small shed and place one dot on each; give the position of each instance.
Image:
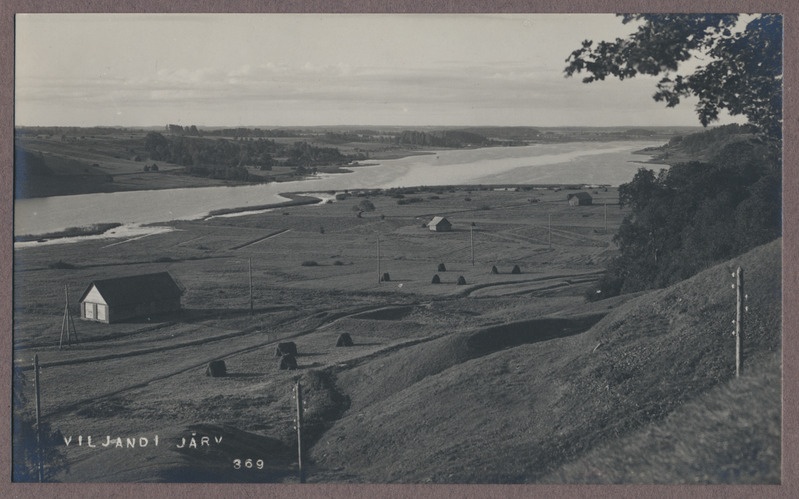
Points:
(439, 224)
(579, 199)
(121, 298)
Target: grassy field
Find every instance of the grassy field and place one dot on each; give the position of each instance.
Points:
(445, 382)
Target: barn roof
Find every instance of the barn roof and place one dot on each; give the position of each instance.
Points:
(136, 288)
(438, 220)
(579, 195)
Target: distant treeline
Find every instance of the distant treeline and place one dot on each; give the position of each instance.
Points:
(239, 132)
(696, 214)
(446, 138)
(228, 159)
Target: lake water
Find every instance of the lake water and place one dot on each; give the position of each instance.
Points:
(609, 163)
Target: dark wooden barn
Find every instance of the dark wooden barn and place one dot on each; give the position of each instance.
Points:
(122, 298)
(439, 224)
(579, 199)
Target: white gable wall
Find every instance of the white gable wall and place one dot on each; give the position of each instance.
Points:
(94, 306)
(94, 296)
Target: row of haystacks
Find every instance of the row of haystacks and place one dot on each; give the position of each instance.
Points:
(286, 351)
(436, 413)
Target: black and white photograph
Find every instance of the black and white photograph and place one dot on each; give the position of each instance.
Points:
(397, 248)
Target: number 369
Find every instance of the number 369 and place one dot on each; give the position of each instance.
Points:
(248, 464)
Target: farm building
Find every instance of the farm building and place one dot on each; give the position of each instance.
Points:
(579, 199)
(121, 298)
(439, 224)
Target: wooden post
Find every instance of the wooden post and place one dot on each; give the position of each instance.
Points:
(549, 230)
(606, 217)
(739, 316)
(298, 391)
(37, 387)
(471, 239)
(67, 324)
(250, 270)
(379, 277)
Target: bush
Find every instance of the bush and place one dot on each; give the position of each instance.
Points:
(25, 457)
(309, 263)
(366, 205)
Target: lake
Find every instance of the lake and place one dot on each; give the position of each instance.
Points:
(610, 163)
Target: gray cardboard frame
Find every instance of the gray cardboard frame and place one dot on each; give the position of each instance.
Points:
(790, 434)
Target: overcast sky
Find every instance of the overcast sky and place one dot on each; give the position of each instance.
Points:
(309, 69)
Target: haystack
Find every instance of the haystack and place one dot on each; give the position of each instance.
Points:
(344, 340)
(385, 277)
(436, 279)
(461, 280)
(216, 369)
(288, 363)
(516, 270)
(494, 270)
(442, 267)
(288, 347)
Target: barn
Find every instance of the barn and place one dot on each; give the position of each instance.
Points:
(439, 224)
(122, 298)
(579, 199)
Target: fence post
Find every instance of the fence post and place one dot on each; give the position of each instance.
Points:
(379, 276)
(249, 267)
(298, 389)
(37, 387)
(739, 316)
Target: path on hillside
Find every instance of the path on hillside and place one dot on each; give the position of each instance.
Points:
(259, 342)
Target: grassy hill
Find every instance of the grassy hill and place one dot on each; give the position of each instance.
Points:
(645, 395)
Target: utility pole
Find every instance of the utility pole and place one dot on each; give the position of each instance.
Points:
(471, 238)
(606, 217)
(379, 279)
(549, 230)
(298, 389)
(739, 316)
(250, 272)
(38, 417)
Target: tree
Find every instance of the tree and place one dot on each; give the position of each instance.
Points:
(26, 458)
(742, 73)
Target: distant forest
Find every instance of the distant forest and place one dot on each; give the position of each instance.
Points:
(697, 213)
(224, 158)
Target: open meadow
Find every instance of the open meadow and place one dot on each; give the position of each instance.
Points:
(315, 275)
(452, 376)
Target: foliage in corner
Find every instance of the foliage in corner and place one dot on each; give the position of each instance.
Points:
(693, 215)
(740, 67)
(26, 460)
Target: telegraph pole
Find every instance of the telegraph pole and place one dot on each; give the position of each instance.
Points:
(299, 431)
(38, 417)
(739, 317)
(250, 272)
(471, 238)
(379, 279)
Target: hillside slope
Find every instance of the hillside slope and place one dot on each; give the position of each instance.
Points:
(521, 413)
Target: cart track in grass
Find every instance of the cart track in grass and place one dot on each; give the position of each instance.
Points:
(564, 280)
(272, 339)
